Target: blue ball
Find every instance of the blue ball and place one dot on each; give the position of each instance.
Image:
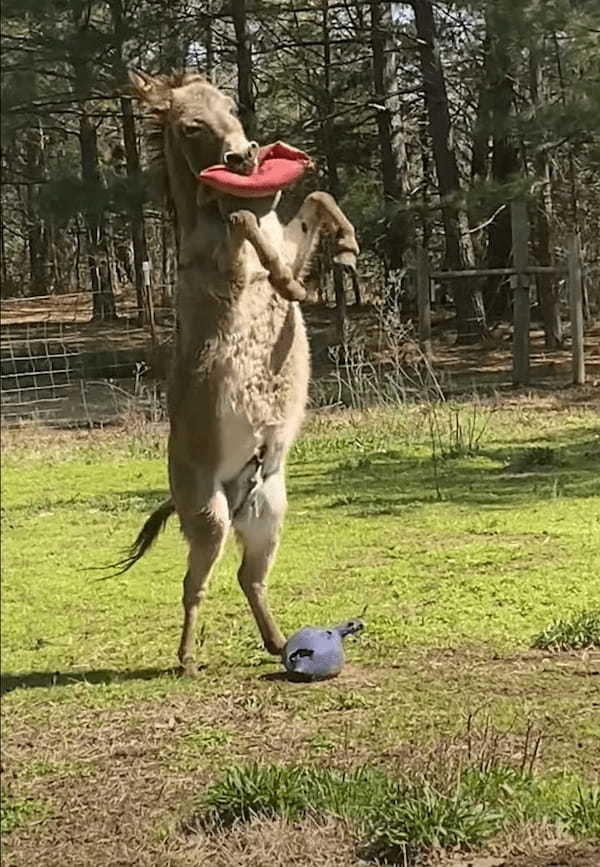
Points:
(317, 653)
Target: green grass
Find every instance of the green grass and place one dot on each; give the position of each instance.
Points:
(581, 815)
(462, 563)
(494, 561)
(397, 821)
(17, 812)
(582, 630)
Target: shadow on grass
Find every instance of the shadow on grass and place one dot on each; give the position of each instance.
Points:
(39, 679)
(290, 677)
(141, 501)
(389, 482)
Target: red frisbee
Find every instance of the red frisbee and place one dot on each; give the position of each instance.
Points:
(279, 165)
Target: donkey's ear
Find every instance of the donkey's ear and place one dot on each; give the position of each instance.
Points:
(153, 91)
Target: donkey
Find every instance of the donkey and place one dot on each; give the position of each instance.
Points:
(239, 377)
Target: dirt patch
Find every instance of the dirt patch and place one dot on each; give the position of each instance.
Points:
(564, 855)
(331, 844)
(277, 844)
(541, 854)
(116, 783)
(67, 307)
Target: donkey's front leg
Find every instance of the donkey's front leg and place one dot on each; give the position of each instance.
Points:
(244, 225)
(258, 529)
(319, 212)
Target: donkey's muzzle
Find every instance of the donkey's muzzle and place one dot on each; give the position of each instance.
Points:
(242, 162)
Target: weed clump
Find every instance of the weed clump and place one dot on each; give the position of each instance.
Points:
(578, 632)
(398, 821)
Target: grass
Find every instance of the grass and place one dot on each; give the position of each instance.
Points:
(17, 812)
(580, 631)
(398, 821)
(364, 510)
(463, 562)
(582, 815)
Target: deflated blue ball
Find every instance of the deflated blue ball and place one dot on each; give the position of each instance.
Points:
(317, 653)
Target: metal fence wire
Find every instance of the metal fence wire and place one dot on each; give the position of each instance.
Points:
(77, 372)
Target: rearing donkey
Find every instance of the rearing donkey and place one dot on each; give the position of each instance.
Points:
(239, 378)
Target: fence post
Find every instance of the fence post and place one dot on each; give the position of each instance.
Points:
(424, 302)
(149, 300)
(520, 283)
(576, 308)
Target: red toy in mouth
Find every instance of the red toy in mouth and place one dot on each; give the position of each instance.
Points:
(279, 166)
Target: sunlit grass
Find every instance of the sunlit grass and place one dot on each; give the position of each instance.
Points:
(580, 631)
(398, 820)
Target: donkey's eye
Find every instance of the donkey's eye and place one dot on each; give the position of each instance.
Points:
(192, 129)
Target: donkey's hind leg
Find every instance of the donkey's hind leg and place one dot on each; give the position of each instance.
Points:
(206, 531)
(258, 528)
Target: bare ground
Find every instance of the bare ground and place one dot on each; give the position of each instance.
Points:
(68, 317)
(116, 783)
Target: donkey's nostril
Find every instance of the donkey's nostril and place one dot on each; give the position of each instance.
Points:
(232, 159)
(242, 163)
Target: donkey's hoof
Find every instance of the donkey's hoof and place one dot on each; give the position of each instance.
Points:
(243, 218)
(275, 648)
(291, 290)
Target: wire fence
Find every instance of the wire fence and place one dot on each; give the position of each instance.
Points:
(58, 367)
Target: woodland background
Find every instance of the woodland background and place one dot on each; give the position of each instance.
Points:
(425, 119)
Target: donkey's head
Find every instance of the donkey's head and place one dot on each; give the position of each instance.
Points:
(192, 125)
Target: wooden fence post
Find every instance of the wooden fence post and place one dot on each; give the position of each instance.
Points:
(520, 283)
(424, 302)
(149, 300)
(576, 308)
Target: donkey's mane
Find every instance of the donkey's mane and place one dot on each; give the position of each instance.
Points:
(155, 120)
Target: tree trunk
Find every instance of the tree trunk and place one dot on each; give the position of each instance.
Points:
(426, 216)
(505, 161)
(356, 288)
(209, 41)
(77, 264)
(37, 233)
(165, 269)
(3, 258)
(244, 68)
(470, 313)
(37, 239)
(103, 301)
(331, 158)
(392, 136)
(136, 209)
(481, 134)
(547, 284)
(132, 160)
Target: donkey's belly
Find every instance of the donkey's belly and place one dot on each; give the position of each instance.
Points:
(239, 441)
(250, 427)
(257, 416)
(262, 382)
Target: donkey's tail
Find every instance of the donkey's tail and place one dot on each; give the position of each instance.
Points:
(145, 538)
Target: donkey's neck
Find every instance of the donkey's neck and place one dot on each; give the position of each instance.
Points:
(183, 189)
